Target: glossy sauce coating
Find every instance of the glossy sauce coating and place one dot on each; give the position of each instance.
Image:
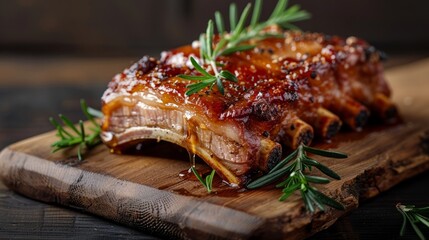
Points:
(286, 88)
(277, 77)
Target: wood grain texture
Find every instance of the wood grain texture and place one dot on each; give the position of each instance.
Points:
(145, 191)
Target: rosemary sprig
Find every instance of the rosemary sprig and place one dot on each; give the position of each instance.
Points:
(208, 182)
(294, 168)
(71, 136)
(231, 42)
(207, 79)
(413, 215)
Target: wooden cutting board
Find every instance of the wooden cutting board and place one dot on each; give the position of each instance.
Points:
(145, 191)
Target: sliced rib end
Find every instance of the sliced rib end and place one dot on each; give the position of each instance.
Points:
(295, 132)
(328, 124)
(384, 108)
(270, 153)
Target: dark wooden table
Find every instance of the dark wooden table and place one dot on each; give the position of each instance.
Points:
(32, 89)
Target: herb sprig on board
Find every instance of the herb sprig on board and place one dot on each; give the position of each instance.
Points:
(72, 136)
(232, 41)
(413, 215)
(296, 168)
(208, 182)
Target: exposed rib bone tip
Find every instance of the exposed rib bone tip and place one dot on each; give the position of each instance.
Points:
(270, 153)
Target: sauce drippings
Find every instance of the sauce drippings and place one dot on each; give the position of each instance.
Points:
(191, 159)
(186, 174)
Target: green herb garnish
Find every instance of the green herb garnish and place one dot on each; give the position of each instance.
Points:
(294, 168)
(71, 136)
(208, 182)
(231, 42)
(413, 215)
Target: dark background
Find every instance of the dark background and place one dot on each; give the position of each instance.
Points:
(136, 27)
(52, 53)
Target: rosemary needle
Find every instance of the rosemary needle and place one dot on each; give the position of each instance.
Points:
(208, 182)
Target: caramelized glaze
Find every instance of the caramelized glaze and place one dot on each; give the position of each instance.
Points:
(302, 78)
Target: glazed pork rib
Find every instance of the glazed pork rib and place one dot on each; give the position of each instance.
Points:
(290, 89)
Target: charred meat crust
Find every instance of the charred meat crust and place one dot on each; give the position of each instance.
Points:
(307, 84)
